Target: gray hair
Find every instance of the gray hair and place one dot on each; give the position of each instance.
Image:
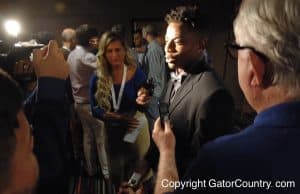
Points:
(68, 34)
(272, 27)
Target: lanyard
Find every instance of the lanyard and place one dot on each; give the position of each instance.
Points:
(117, 102)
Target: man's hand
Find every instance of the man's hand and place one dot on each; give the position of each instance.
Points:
(50, 62)
(164, 138)
(131, 123)
(143, 97)
(165, 141)
(125, 189)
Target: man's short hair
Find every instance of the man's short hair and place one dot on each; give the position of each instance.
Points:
(273, 28)
(138, 31)
(188, 15)
(10, 104)
(84, 33)
(150, 29)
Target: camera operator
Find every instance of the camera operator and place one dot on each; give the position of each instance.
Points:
(19, 170)
(19, 65)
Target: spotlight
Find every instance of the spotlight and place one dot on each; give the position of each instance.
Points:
(12, 27)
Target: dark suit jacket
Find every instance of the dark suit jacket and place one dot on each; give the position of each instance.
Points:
(201, 111)
(65, 53)
(268, 150)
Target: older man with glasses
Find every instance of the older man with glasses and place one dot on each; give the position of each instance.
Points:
(263, 158)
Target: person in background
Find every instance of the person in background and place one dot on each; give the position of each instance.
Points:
(117, 96)
(160, 38)
(68, 36)
(139, 48)
(83, 63)
(155, 68)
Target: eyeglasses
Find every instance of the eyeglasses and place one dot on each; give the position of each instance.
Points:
(233, 48)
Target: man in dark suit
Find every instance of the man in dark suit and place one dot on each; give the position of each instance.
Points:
(264, 157)
(200, 108)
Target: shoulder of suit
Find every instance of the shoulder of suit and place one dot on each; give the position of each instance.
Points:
(208, 81)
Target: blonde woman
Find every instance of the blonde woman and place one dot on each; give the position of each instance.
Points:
(116, 96)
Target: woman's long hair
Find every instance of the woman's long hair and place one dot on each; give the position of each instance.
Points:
(104, 70)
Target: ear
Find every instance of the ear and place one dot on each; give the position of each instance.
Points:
(258, 68)
(201, 45)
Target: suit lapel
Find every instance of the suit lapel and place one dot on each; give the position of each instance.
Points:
(196, 72)
(167, 95)
(184, 89)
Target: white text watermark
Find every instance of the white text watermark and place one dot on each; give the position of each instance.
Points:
(237, 183)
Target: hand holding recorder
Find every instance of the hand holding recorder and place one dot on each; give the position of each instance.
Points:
(162, 134)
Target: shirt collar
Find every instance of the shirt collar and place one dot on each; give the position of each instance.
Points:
(178, 77)
(64, 47)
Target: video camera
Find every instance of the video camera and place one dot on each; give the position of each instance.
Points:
(18, 62)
